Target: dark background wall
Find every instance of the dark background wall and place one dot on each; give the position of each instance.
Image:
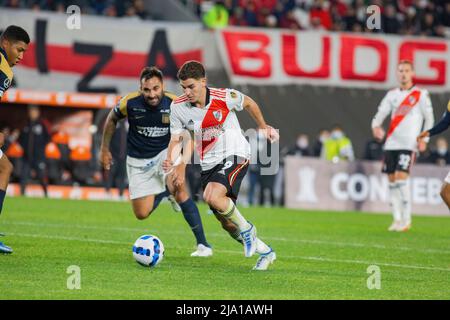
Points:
(298, 109)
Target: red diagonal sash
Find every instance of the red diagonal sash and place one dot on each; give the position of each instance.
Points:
(405, 107)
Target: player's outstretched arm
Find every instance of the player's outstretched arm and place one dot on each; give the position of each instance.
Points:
(253, 109)
(441, 126)
(108, 131)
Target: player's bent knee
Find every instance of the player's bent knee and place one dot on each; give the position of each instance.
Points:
(141, 214)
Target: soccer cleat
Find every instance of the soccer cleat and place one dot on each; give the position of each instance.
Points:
(395, 226)
(405, 227)
(202, 251)
(249, 240)
(175, 206)
(5, 249)
(265, 260)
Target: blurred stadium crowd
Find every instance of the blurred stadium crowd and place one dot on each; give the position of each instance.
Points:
(406, 17)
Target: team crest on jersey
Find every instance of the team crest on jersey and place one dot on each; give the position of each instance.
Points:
(165, 118)
(233, 94)
(218, 115)
(6, 83)
(412, 99)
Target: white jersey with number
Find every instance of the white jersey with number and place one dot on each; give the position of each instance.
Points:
(411, 112)
(217, 133)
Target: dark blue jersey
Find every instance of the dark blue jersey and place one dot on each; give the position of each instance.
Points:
(443, 124)
(6, 74)
(149, 131)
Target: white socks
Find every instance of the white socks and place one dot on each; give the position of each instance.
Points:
(233, 214)
(400, 196)
(405, 196)
(395, 201)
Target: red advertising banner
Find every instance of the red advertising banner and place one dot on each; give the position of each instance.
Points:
(261, 56)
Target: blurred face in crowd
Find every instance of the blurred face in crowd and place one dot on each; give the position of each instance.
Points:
(194, 89)
(34, 113)
(153, 90)
(324, 135)
(405, 74)
(442, 146)
(337, 133)
(302, 141)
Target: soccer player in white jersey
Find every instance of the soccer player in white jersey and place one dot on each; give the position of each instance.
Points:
(410, 109)
(210, 114)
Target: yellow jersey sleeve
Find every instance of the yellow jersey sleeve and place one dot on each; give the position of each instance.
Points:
(6, 75)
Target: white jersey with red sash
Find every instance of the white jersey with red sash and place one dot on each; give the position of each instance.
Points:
(217, 133)
(411, 112)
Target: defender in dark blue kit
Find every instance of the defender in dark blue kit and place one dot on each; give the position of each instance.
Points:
(148, 114)
(441, 126)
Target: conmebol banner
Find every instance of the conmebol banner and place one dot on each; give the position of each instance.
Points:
(277, 57)
(105, 54)
(315, 184)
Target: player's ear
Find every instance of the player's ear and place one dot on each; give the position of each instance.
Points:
(203, 81)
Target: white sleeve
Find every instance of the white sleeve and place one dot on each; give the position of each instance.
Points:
(384, 109)
(427, 111)
(235, 100)
(176, 126)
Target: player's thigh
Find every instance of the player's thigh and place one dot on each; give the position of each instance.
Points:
(144, 182)
(143, 206)
(214, 191)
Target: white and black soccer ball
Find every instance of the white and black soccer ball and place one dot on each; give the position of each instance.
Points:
(148, 250)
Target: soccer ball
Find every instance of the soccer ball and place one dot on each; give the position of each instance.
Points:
(148, 250)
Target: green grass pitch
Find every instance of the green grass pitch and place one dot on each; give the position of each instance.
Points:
(321, 255)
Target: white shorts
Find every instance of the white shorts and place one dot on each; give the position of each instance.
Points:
(146, 176)
(447, 178)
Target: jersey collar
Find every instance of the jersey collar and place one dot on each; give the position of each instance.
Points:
(4, 53)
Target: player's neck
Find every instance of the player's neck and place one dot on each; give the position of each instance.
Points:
(204, 98)
(407, 86)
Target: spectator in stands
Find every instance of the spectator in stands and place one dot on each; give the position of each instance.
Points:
(323, 135)
(301, 147)
(257, 146)
(288, 21)
(80, 164)
(54, 163)
(390, 23)
(14, 152)
(116, 176)
(320, 16)
(338, 147)
(216, 17)
(33, 139)
(61, 139)
(440, 155)
(266, 181)
(373, 150)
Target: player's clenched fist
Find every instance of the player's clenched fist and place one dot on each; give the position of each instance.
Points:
(271, 134)
(106, 159)
(378, 133)
(422, 136)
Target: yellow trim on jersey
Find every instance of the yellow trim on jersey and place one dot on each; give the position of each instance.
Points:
(124, 102)
(170, 95)
(448, 106)
(5, 68)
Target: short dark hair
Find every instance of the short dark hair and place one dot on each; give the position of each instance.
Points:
(406, 62)
(191, 70)
(150, 72)
(14, 34)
